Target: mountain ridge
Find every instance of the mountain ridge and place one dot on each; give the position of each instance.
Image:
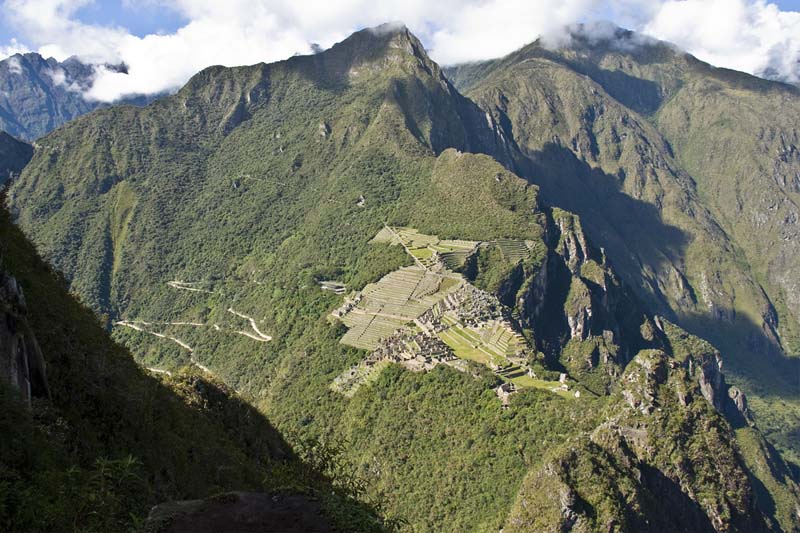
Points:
(297, 167)
(591, 143)
(38, 95)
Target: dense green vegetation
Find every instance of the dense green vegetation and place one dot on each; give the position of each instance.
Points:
(685, 175)
(252, 184)
(110, 440)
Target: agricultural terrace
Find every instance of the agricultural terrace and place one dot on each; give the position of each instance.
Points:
(395, 300)
(474, 332)
(492, 343)
(428, 250)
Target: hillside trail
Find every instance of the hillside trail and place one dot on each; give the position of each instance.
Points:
(137, 326)
(262, 337)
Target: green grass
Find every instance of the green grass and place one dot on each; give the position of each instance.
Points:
(421, 253)
(526, 381)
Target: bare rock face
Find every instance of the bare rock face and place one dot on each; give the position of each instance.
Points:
(738, 400)
(21, 361)
(579, 310)
(711, 380)
(645, 373)
(572, 246)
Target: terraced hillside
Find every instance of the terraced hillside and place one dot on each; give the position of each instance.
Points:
(427, 314)
(396, 299)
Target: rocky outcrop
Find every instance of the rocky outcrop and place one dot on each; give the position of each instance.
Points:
(21, 362)
(572, 245)
(739, 401)
(709, 370)
(241, 512)
(640, 383)
(579, 312)
(662, 461)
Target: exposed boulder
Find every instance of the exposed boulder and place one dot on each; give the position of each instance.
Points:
(241, 512)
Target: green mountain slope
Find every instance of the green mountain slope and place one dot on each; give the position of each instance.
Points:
(340, 237)
(91, 440)
(100, 440)
(684, 174)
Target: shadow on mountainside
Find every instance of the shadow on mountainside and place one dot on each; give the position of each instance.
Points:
(671, 496)
(642, 95)
(640, 245)
(630, 231)
(187, 435)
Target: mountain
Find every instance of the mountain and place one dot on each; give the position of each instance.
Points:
(38, 95)
(91, 440)
(685, 174)
(369, 255)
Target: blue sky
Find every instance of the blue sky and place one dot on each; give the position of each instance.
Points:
(164, 42)
(139, 18)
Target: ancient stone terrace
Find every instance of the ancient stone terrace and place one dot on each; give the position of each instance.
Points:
(514, 250)
(396, 299)
(425, 315)
(428, 251)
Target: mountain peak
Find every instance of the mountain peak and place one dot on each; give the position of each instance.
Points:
(387, 46)
(380, 39)
(395, 27)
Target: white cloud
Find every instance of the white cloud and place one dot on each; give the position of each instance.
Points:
(237, 32)
(58, 76)
(52, 27)
(483, 30)
(14, 66)
(751, 36)
(13, 47)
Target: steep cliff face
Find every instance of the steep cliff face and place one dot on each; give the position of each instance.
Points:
(21, 361)
(37, 95)
(593, 155)
(579, 314)
(749, 174)
(40, 94)
(14, 155)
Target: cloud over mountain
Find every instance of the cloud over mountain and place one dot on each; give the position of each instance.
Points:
(753, 37)
(750, 35)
